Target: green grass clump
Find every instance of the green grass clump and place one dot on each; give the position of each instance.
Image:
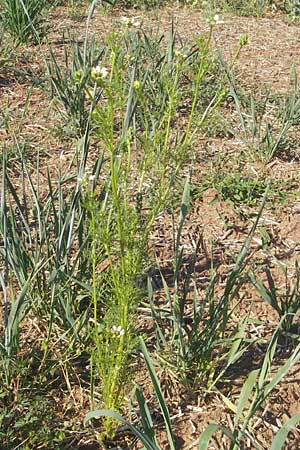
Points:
(76, 254)
(76, 238)
(267, 123)
(254, 392)
(239, 7)
(285, 300)
(193, 340)
(24, 19)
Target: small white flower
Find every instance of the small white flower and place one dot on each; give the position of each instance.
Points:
(136, 23)
(120, 331)
(91, 320)
(91, 178)
(217, 20)
(117, 331)
(99, 73)
(125, 20)
(129, 22)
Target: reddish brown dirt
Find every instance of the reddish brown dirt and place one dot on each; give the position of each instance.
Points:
(265, 62)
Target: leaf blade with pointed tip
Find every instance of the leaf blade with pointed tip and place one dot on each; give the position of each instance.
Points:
(97, 413)
(209, 432)
(282, 434)
(159, 395)
(245, 394)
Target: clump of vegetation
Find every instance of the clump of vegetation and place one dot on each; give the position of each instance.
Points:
(24, 19)
(93, 274)
(266, 124)
(240, 7)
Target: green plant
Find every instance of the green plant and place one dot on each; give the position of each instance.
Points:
(76, 9)
(141, 104)
(196, 346)
(239, 188)
(255, 390)
(285, 300)
(40, 261)
(239, 7)
(116, 243)
(147, 436)
(75, 246)
(69, 85)
(55, 235)
(46, 278)
(24, 19)
(291, 7)
(6, 55)
(118, 228)
(264, 131)
(149, 108)
(29, 423)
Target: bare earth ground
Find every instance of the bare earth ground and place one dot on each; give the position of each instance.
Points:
(264, 63)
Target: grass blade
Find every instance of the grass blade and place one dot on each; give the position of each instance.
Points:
(282, 434)
(97, 413)
(159, 395)
(245, 394)
(145, 415)
(208, 434)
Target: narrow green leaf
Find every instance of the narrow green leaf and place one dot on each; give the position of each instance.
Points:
(228, 402)
(245, 394)
(185, 202)
(238, 338)
(282, 434)
(145, 416)
(159, 395)
(269, 355)
(97, 413)
(243, 253)
(283, 371)
(265, 293)
(208, 434)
